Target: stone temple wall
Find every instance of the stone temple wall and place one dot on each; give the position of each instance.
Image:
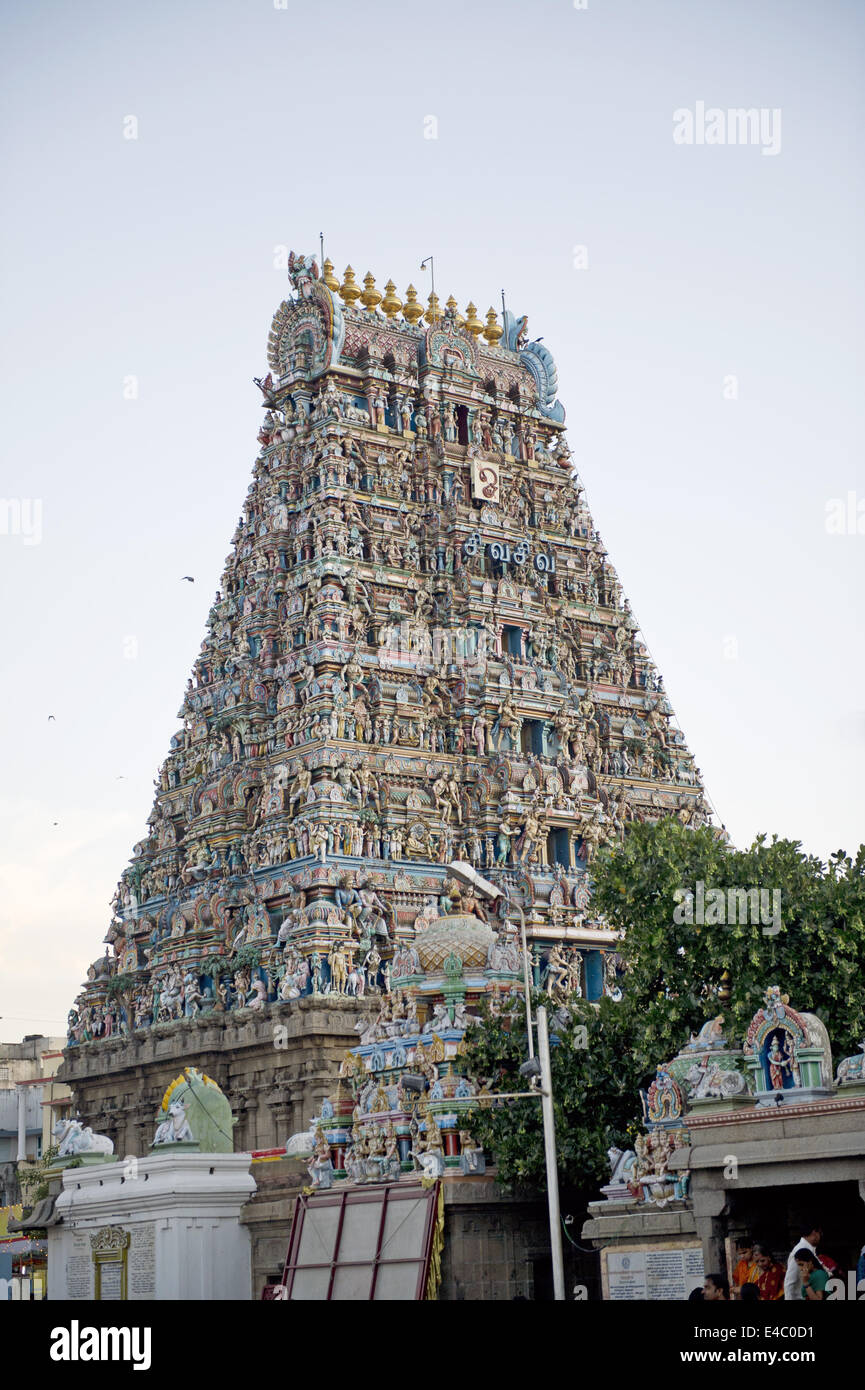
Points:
(275, 1069)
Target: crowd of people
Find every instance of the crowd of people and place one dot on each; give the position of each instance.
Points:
(759, 1277)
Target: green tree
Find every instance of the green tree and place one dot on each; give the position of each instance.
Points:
(595, 1083)
(679, 972)
(248, 957)
(33, 1177)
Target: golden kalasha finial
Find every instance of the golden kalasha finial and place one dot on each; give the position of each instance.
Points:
(434, 312)
(473, 323)
(391, 304)
(412, 311)
(328, 276)
(492, 332)
(453, 308)
(350, 289)
(371, 296)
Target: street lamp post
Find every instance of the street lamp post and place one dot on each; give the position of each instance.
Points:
(465, 873)
(550, 1156)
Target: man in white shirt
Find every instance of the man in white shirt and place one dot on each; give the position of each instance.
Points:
(812, 1234)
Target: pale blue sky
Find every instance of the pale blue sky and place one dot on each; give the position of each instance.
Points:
(261, 127)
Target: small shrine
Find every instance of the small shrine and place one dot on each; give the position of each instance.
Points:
(788, 1054)
(785, 1059)
(194, 1114)
(403, 1094)
(706, 1077)
(713, 1099)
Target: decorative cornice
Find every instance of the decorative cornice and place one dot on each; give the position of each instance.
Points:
(779, 1112)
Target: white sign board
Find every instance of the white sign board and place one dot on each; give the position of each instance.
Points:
(654, 1273)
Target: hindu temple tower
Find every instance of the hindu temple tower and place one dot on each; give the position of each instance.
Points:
(419, 651)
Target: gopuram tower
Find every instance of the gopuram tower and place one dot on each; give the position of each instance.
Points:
(420, 652)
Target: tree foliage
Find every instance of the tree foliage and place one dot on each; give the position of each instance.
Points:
(246, 957)
(815, 951)
(33, 1177)
(594, 1092)
(675, 970)
(120, 984)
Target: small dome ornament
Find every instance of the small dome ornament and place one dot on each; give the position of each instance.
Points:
(329, 278)
(493, 331)
(472, 322)
(349, 289)
(453, 312)
(458, 936)
(433, 312)
(371, 297)
(412, 310)
(391, 304)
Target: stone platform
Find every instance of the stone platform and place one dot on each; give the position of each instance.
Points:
(161, 1227)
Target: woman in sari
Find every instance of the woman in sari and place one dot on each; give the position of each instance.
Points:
(770, 1274)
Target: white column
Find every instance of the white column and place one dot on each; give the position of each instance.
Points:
(22, 1123)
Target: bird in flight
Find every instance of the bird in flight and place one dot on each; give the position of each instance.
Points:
(188, 577)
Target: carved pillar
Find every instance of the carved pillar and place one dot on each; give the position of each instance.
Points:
(278, 1107)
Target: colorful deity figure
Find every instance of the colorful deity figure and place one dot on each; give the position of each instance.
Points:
(320, 1164)
(779, 1062)
(664, 1102)
(788, 1054)
(471, 1155)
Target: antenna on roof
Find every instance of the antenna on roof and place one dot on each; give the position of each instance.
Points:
(321, 244)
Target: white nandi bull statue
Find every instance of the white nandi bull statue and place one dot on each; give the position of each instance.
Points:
(73, 1139)
(175, 1128)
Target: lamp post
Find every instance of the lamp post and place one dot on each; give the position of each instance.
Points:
(550, 1156)
(465, 873)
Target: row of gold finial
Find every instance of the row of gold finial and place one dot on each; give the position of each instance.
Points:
(412, 310)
